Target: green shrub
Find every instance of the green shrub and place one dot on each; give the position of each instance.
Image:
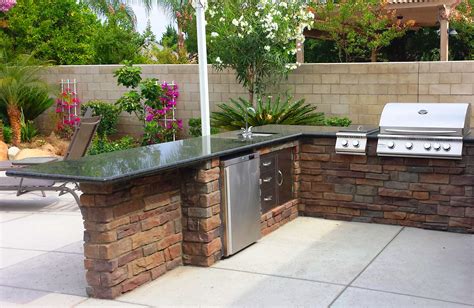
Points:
(195, 127)
(337, 121)
(104, 145)
(37, 102)
(277, 111)
(28, 129)
(128, 75)
(7, 134)
(109, 114)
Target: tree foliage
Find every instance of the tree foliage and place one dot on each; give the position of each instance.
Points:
(180, 11)
(61, 31)
(107, 8)
(116, 41)
(414, 45)
(169, 38)
(257, 39)
(69, 32)
(462, 44)
(359, 28)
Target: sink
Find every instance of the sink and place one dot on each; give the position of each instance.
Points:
(238, 136)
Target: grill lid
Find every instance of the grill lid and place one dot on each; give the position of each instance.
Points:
(440, 119)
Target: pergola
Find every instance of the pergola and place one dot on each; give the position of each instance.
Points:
(425, 13)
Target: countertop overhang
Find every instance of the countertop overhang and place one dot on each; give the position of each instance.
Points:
(147, 160)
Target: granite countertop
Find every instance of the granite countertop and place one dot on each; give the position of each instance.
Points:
(122, 165)
(147, 160)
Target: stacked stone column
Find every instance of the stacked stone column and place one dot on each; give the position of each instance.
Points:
(202, 223)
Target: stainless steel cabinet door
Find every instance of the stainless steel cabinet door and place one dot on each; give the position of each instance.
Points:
(284, 176)
(243, 204)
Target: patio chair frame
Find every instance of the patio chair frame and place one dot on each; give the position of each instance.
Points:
(62, 189)
(72, 153)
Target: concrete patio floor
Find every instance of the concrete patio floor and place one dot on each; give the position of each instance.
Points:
(308, 262)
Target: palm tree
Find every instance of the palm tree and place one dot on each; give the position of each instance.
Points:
(106, 8)
(179, 10)
(19, 83)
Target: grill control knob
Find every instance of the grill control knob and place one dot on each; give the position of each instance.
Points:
(355, 143)
(409, 145)
(446, 147)
(436, 146)
(391, 145)
(345, 143)
(427, 146)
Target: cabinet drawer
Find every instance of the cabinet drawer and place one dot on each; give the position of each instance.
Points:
(267, 162)
(268, 199)
(267, 180)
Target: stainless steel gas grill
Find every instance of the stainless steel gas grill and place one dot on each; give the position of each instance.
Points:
(423, 130)
(353, 139)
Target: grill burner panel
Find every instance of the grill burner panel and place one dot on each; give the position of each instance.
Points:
(353, 139)
(448, 148)
(423, 130)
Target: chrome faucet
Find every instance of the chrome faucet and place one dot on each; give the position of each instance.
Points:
(247, 131)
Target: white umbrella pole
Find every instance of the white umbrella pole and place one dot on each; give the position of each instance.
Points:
(203, 79)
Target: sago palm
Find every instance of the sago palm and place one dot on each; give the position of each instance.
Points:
(19, 82)
(286, 111)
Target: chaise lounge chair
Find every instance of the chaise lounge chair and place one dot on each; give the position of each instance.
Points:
(80, 142)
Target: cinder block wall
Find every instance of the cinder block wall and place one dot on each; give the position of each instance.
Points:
(356, 90)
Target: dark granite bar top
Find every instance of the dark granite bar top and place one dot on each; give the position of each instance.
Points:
(132, 163)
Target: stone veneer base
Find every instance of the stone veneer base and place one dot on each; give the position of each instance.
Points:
(417, 192)
(133, 232)
(278, 216)
(137, 230)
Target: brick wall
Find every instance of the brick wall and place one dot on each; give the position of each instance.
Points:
(426, 193)
(357, 90)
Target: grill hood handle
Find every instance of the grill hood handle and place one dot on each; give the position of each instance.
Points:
(413, 131)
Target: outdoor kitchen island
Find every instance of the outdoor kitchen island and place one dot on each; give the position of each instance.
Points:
(150, 209)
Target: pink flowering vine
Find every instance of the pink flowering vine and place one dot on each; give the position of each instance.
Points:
(6, 5)
(160, 123)
(66, 106)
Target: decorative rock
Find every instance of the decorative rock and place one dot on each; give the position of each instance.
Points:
(48, 148)
(27, 153)
(3, 151)
(12, 152)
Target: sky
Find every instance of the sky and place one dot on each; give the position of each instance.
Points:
(158, 19)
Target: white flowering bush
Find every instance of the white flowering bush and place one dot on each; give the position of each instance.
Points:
(256, 38)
